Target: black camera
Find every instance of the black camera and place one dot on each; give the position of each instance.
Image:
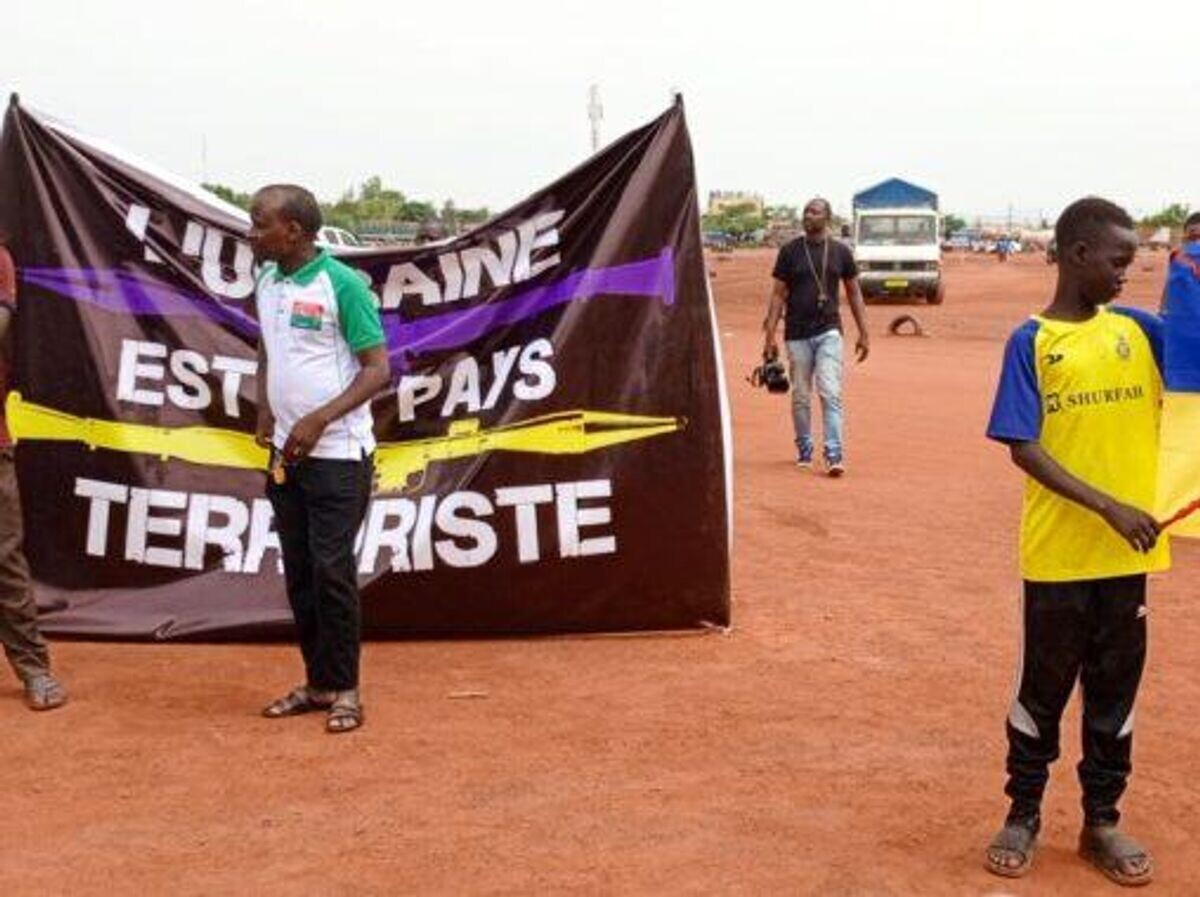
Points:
(771, 374)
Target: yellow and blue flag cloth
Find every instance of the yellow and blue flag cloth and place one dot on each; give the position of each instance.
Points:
(1179, 444)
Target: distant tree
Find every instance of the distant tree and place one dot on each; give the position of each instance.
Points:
(450, 216)
(951, 223)
(420, 211)
(377, 204)
(739, 220)
(473, 217)
(241, 200)
(786, 214)
(372, 188)
(1172, 216)
(374, 202)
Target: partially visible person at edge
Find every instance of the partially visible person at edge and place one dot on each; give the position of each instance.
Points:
(321, 358)
(807, 273)
(1078, 405)
(1191, 234)
(23, 642)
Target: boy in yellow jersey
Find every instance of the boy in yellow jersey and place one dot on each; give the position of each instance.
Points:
(1078, 406)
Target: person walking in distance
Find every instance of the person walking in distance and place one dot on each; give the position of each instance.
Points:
(807, 274)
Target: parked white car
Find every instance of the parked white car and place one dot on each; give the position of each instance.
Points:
(336, 236)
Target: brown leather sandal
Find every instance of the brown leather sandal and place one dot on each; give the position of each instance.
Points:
(44, 692)
(345, 714)
(1016, 840)
(1112, 852)
(301, 699)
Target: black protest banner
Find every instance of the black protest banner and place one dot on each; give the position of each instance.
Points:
(553, 449)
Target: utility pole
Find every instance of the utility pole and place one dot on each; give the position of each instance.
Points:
(595, 115)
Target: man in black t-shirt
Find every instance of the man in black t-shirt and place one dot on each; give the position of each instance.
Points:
(807, 273)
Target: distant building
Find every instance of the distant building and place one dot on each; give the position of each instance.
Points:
(720, 200)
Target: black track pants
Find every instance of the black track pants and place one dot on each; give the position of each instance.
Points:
(1093, 631)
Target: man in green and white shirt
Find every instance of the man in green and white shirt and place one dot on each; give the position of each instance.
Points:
(322, 357)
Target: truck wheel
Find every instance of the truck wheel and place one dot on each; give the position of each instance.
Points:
(938, 294)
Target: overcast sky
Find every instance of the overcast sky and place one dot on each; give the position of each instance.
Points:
(989, 104)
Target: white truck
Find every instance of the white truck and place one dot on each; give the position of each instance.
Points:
(897, 241)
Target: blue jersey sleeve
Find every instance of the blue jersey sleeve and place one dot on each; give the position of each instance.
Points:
(1152, 326)
(1017, 410)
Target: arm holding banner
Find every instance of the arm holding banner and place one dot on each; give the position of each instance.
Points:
(1134, 525)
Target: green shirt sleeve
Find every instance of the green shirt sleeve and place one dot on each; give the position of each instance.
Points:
(358, 309)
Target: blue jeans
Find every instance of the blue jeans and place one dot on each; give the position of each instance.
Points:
(818, 358)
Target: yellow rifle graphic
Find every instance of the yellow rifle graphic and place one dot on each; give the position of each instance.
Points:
(396, 463)
(566, 433)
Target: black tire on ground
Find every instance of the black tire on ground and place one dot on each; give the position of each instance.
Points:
(896, 328)
(937, 296)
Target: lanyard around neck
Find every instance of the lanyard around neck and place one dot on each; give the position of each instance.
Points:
(822, 296)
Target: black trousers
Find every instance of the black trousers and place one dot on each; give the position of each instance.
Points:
(318, 510)
(1093, 631)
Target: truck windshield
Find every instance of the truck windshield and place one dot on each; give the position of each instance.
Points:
(896, 230)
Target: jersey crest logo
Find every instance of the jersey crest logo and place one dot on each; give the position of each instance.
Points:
(1123, 350)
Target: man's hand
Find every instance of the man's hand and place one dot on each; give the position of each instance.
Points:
(863, 347)
(1135, 526)
(305, 434)
(770, 348)
(264, 430)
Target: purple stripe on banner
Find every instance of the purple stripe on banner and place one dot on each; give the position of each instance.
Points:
(646, 279)
(127, 293)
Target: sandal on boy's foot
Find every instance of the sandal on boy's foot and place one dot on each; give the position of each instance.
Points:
(44, 692)
(1117, 855)
(1010, 853)
(345, 714)
(301, 699)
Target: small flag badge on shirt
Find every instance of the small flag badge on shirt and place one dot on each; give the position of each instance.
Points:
(307, 315)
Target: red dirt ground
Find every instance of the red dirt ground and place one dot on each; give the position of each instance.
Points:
(845, 738)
